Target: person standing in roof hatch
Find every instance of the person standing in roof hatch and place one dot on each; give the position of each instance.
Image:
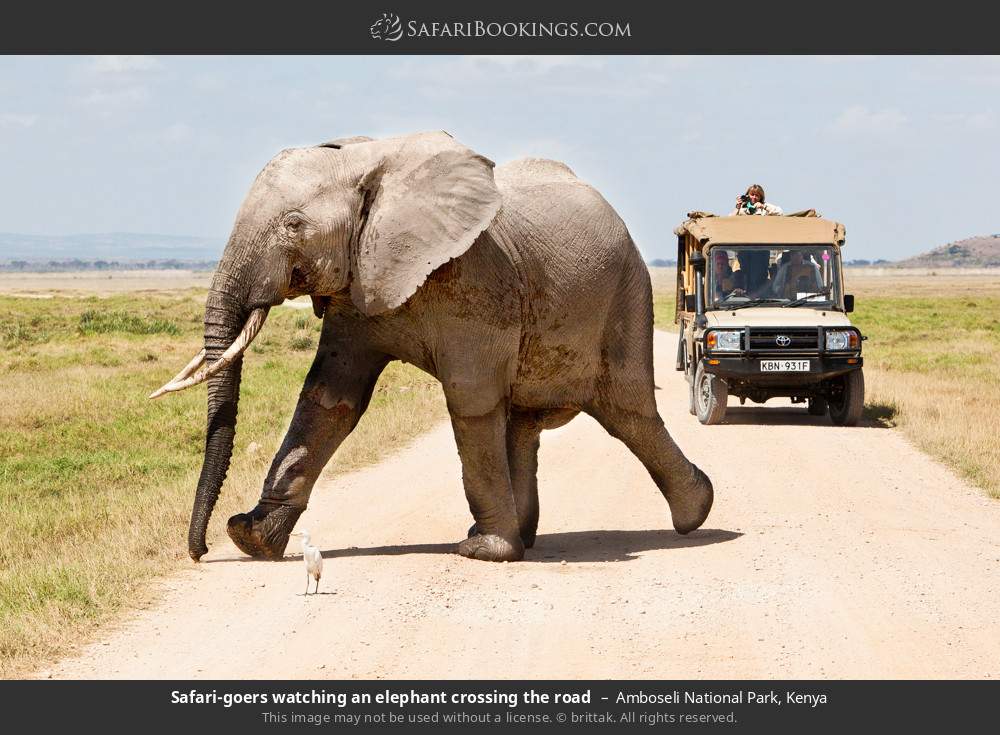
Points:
(753, 202)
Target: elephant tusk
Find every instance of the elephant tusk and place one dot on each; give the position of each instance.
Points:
(185, 379)
(188, 369)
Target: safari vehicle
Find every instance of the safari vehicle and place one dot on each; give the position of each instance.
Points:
(762, 313)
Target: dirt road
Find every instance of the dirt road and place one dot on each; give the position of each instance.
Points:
(830, 552)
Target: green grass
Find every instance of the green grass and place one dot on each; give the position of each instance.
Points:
(122, 322)
(931, 365)
(96, 481)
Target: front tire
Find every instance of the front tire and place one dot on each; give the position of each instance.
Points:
(847, 404)
(711, 394)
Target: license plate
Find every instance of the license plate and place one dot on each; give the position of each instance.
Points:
(784, 366)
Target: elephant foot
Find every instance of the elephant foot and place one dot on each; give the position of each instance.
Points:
(490, 547)
(263, 532)
(527, 538)
(691, 503)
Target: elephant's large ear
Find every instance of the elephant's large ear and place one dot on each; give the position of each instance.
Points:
(425, 202)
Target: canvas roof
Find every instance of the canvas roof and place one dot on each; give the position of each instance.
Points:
(710, 230)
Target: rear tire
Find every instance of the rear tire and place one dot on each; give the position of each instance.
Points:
(817, 407)
(711, 394)
(847, 404)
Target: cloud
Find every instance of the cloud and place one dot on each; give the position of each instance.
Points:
(534, 65)
(178, 133)
(859, 119)
(535, 148)
(575, 76)
(836, 59)
(124, 64)
(478, 70)
(17, 120)
(954, 70)
(106, 98)
(971, 121)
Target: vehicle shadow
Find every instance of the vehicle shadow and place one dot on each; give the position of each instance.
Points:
(875, 416)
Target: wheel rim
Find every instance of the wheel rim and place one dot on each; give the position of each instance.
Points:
(704, 394)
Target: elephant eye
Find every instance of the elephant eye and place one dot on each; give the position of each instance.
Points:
(293, 223)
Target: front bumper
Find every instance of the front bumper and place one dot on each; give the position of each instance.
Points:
(746, 369)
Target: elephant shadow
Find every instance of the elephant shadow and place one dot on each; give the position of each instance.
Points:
(570, 546)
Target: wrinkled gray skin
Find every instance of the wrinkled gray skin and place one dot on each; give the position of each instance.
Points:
(522, 293)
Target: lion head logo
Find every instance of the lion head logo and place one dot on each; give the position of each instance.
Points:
(387, 28)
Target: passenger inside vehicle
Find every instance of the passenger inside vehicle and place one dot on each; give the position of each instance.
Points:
(796, 276)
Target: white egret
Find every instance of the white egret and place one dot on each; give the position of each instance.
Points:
(312, 557)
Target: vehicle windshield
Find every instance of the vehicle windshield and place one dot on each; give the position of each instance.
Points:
(797, 276)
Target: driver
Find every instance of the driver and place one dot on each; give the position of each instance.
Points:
(727, 281)
(797, 276)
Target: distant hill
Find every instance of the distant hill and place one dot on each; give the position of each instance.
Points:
(974, 252)
(111, 246)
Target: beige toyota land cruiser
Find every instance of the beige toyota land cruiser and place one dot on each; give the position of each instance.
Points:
(762, 313)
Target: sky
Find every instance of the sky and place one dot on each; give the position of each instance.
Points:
(904, 150)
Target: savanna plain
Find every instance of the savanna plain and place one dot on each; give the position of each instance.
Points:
(96, 481)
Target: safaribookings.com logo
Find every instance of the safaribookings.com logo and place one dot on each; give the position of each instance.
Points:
(390, 28)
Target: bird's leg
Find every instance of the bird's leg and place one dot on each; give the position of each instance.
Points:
(307, 583)
(317, 585)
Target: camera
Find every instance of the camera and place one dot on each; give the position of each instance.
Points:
(749, 206)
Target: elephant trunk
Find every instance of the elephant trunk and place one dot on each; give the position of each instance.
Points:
(223, 323)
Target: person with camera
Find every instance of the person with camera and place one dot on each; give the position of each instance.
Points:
(753, 202)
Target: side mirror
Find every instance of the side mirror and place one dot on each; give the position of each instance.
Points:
(697, 261)
(848, 303)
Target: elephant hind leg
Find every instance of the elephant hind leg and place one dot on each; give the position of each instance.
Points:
(687, 489)
(625, 404)
(523, 431)
(524, 428)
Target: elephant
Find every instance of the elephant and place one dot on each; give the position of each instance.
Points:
(519, 289)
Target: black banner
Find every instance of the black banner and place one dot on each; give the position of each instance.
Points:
(513, 27)
(424, 706)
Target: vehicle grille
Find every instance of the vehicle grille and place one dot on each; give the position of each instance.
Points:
(765, 339)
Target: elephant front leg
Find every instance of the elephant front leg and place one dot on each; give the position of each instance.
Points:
(330, 405)
(482, 447)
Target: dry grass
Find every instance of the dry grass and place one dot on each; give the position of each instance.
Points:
(931, 364)
(96, 482)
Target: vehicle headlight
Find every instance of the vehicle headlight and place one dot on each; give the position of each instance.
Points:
(724, 340)
(841, 341)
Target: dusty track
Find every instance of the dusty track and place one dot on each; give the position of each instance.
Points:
(830, 552)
